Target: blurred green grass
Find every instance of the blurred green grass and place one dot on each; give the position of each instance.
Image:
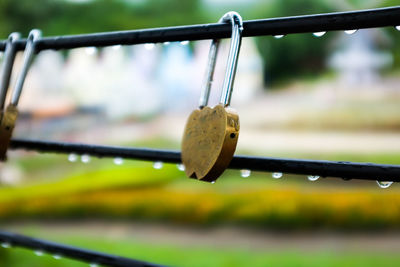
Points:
(93, 180)
(174, 255)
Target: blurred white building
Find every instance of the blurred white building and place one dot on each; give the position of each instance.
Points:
(357, 59)
(137, 80)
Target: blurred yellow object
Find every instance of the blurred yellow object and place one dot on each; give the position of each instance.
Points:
(276, 208)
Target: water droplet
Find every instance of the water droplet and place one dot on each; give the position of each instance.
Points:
(116, 47)
(85, 158)
(39, 253)
(72, 157)
(157, 165)
(166, 43)
(245, 173)
(93, 265)
(319, 34)
(278, 36)
(149, 46)
(180, 167)
(184, 42)
(350, 31)
(397, 28)
(57, 256)
(384, 184)
(313, 178)
(91, 50)
(277, 175)
(118, 161)
(5, 245)
(213, 182)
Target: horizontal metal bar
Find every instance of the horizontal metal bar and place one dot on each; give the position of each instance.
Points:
(341, 169)
(71, 252)
(381, 17)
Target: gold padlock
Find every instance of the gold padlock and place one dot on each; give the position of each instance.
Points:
(211, 134)
(9, 116)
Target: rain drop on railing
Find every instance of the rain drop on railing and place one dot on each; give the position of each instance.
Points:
(350, 32)
(39, 253)
(116, 47)
(118, 161)
(278, 36)
(72, 157)
(57, 256)
(5, 245)
(85, 158)
(245, 173)
(91, 50)
(313, 178)
(319, 34)
(180, 167)
(149, 46)
(384, 184)
(157, 165)
(277, 175)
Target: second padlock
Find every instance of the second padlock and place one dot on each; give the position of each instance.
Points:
(10, 114)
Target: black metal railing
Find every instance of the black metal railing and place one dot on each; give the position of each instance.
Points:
(383, 17)
(323, 168)
(94, 258)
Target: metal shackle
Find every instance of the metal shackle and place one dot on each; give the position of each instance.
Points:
(9, 58)
(236, 38)
(30, 49)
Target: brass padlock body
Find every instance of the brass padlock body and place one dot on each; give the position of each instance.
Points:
(9, 117)
(209, 142)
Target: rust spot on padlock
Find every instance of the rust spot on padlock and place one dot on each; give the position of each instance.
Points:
(211, 134)
(6, 128)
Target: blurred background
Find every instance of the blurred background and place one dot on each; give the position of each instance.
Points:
(332, 96)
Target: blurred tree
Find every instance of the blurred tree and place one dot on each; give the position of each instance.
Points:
(284, 58)
(394, 34)
(55, 17)
(296, 54)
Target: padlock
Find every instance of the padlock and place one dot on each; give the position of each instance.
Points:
(10, 115)
(211, 134)
(9, 58)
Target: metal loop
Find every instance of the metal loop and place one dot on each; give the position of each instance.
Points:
(30, 49)
(236, 38)
(9, 58)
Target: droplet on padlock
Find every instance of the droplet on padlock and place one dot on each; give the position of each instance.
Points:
(211, 134)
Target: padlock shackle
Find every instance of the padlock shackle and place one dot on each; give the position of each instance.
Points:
(236, 38)
(9, 58)
(237, 27)
(30, 49)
